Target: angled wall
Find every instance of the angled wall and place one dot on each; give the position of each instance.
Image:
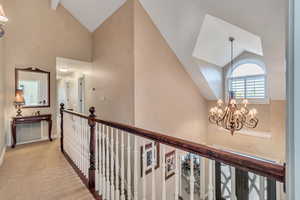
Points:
(166, 98)
(111, 82)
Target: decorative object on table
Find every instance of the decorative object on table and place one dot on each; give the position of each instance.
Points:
(186, 172)
(19, 102)
(149, 157)
(234, 116)
(3, 20)
(170, 164)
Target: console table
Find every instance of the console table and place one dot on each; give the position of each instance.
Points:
(26, 120)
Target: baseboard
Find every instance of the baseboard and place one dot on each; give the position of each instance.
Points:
(37, 140)
(2, 156)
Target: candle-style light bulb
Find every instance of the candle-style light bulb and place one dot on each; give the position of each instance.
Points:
(232, 101)
(252, 113)
(220, 102)
(245, 102)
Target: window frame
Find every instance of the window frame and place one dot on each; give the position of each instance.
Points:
(264, 100)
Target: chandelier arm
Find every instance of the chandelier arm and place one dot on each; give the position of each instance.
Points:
(252, 123)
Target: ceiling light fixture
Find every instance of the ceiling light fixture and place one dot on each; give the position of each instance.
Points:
(234, 116)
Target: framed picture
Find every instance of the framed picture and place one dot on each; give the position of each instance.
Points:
(150, 158)
(170, 159)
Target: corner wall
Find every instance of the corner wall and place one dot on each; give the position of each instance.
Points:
(166, 98)
(112, 79)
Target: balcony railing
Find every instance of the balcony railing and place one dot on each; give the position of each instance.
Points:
(118, 162)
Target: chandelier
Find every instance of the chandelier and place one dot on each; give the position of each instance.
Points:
(234, 116)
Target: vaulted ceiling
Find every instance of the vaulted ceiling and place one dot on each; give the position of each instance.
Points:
(180, 23)
(90, 13)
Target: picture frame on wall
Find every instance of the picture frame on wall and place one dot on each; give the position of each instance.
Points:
(170, 160)
(148, 154)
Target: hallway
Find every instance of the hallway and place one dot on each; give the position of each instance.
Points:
(39, 171)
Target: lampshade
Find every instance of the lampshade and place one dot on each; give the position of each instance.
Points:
(19, 99)
(3, 17)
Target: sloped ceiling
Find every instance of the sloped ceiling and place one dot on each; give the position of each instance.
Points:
(213, 43)
(180, 23)
(91, 13)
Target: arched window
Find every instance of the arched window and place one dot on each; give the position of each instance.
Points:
(248, 80)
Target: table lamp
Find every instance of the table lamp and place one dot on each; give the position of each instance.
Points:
(19, 101)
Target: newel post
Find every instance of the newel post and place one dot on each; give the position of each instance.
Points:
(92, 169)
(62, 127)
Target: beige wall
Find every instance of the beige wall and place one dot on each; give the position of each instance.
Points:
(35, 36)
(271, 120)
(166, 98)
(2, 96)
(113, 68)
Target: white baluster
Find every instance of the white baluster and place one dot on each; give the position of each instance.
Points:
(112, 173)
(192, 178)
(233, 196)
(128, 168)
(80, 145)
(135, 181)
(100, 159)
(72, 141)
(144, 171)
(107, 165)
(117, 167)
(202, 178)
(153, 171)
(103, 163)
(176, 176)
(87, 154)
(163, 167)
(210, 180)
(97, 157)
(88, 150)
(83, 147)
(77, 141)
(122, 167)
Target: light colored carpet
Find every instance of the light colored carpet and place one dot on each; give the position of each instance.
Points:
(39, 171)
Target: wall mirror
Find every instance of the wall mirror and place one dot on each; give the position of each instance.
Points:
(35, 84)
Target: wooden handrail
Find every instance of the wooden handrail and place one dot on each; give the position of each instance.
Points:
(76, 114)
(260, 167)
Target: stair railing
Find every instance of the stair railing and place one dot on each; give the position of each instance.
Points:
(118, 162)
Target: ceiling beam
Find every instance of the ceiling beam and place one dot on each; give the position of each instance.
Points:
(55, 4)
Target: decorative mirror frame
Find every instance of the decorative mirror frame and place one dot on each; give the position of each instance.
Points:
(36, 70)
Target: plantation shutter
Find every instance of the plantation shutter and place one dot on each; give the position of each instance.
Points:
(250, 87)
